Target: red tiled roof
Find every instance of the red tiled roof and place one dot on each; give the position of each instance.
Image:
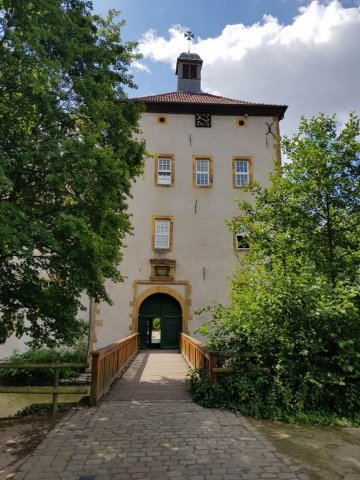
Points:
(199, 98)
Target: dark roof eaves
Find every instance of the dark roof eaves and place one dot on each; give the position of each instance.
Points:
(215, 108)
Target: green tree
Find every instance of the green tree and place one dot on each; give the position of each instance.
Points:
(67, 157)
(296, 295)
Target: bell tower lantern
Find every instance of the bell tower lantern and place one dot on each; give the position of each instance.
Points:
(188, 71)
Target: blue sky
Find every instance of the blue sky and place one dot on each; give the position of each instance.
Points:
(205, 17)
(303, 53)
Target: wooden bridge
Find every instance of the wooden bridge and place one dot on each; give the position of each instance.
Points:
(147, 427)
(146, 374)
(153, 375)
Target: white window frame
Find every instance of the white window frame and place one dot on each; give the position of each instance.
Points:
(161, 234)
(202, 172)
(164, 175)
(241, 175)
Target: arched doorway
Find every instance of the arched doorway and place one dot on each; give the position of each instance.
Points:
(159, 322)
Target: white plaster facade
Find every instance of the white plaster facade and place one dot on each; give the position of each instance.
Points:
(203, 247)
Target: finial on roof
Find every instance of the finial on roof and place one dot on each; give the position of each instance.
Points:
(189, 36)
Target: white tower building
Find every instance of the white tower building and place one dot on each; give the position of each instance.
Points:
(205, 149)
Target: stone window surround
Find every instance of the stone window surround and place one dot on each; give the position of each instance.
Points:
(169, 218)
(247, 158)
(171, 156)
(210, 172)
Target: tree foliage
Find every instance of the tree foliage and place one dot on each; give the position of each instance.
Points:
(296, 296)
(67, 158)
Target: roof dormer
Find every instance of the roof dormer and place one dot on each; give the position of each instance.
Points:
(188, 71)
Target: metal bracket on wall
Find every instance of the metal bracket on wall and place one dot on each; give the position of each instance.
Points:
(269, 131)
(269, 128)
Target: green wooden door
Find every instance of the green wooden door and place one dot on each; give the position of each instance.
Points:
(170, 330)
(143, 330)
(169, 311)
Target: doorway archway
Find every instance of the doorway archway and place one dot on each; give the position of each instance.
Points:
(159, 322)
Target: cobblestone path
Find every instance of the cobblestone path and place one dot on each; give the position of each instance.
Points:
(147, 439)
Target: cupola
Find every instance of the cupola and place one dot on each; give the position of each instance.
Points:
(188, 71)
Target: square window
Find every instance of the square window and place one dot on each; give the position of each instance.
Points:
(161, 119)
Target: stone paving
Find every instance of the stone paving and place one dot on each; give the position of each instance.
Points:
(168, 439)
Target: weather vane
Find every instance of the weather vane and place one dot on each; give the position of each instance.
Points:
(189, 36)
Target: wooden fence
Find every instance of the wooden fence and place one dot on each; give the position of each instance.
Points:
(55, 390)
(108, 363)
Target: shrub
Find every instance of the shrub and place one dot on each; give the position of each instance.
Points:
(296, 294)
(41, 376)
(156, 324)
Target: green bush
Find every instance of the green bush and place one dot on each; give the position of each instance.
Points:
(307, 334)
(295, 299)
(41, 376)
(156, 323)
(260, 398)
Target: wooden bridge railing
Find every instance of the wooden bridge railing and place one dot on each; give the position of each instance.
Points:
(109, 363)
(198, 356)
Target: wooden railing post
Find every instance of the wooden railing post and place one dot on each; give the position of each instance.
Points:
(55, 395)
(94, 377)
(211, 365)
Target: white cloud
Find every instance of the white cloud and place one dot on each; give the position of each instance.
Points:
(161, 50)
(141, 67)
(312, 64)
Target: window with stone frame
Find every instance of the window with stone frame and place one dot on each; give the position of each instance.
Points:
(242, 240)
(202, 171)
(164, 169)
(240, 235)
(242, 172)
(162, 232)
